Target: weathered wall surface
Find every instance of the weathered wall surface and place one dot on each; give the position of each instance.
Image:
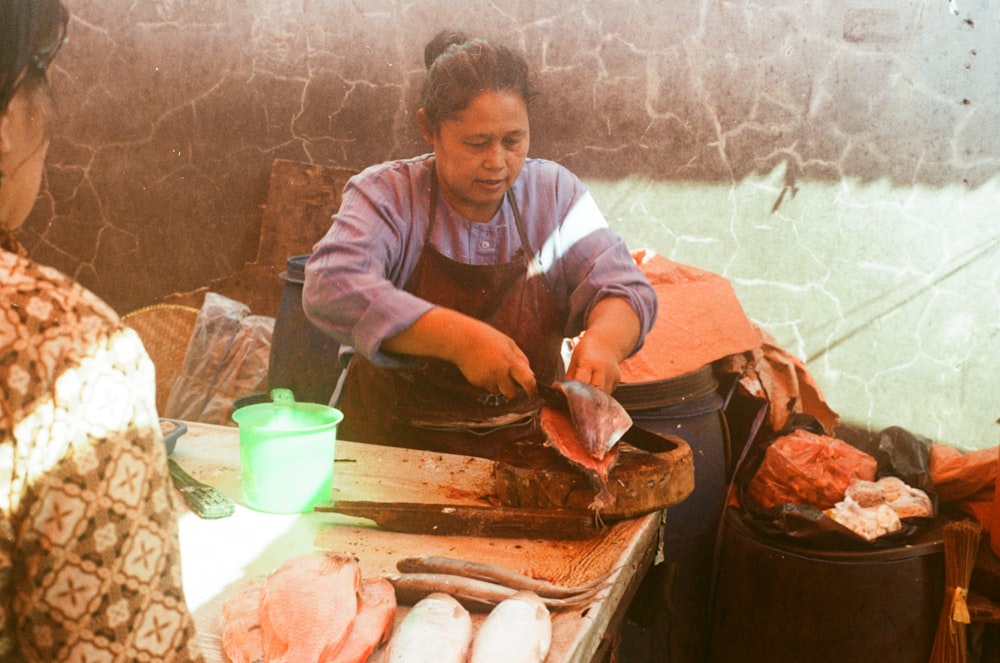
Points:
(837, 160)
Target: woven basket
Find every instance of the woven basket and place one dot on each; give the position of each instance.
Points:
(165, 330)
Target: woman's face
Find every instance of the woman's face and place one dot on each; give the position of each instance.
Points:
(479, 152)
(23, 145)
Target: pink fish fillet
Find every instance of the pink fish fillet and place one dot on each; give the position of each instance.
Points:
(308, 607)
(560, 434)
(241, 623)
(373, 624)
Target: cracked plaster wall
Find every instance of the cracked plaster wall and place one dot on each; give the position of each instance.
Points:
(837, 160)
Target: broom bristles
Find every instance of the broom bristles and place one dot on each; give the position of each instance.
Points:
(961, 545)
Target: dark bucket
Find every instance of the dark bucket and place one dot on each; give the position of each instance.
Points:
(776, 603)
(670, 614)
(303, 359)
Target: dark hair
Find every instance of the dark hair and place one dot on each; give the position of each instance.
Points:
(31, 32)
(459, 69)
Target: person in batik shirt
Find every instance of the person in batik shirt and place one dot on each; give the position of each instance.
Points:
(89, 554)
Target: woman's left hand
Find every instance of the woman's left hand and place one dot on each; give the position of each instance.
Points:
(594, 363)
(612, 332)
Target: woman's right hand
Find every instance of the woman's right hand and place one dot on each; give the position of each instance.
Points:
(486, 357)
(491, 360)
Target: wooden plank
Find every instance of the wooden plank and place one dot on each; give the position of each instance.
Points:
(473, 520)
(388, 474)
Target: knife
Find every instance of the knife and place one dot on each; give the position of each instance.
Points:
(466, 520)
(204, 500)
(553, 397)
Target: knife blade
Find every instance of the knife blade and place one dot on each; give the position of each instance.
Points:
(467, 520)
(553, 397)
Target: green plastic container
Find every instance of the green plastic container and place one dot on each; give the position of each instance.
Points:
(286, 453)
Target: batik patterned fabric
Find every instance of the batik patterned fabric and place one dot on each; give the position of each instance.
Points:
(89, 554)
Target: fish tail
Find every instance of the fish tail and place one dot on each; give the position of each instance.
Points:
(333, 561)
(602, 501)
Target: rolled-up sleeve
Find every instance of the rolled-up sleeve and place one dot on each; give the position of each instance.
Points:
(353, 278)
(594, 263)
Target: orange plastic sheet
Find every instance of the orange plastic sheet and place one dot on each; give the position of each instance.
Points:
(771, 373)
(966, 479)
(700, 321)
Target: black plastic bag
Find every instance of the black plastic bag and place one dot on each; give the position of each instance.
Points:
(898, 453)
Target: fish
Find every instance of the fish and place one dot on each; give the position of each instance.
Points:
(498, 574)
(517, 630)
(240, 616)
(308, 607)
(437, 629)
(584, 425)
(585, 430)
(373, 623)
(599, 420)
(472, 593)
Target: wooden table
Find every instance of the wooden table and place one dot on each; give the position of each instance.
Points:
(220, 554)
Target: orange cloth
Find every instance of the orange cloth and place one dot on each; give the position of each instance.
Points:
(958, 475)
(699, 321)
(967, 479)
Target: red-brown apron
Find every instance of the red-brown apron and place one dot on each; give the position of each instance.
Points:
(430, 405)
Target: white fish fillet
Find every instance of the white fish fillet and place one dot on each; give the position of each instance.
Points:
(517, 630)
(437, 629)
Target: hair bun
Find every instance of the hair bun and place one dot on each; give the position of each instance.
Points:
(441, 41)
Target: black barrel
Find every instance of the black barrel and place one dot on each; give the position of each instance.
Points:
(779, 603)
(303, 359)
(670, 614)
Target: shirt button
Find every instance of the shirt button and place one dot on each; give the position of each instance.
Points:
(484, 244)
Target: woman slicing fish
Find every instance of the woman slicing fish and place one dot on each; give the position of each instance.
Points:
(455, 276)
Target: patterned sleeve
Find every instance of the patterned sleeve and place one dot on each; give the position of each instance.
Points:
(90, 561)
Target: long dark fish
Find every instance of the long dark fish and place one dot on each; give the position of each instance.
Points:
(495, 574)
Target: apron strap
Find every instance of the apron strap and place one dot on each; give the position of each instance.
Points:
(534, 261)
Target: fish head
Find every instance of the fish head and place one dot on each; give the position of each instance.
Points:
(599, 420)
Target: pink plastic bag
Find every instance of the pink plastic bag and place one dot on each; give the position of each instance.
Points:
(805, 468)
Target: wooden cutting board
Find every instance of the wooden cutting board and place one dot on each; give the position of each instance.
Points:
(653, 472)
